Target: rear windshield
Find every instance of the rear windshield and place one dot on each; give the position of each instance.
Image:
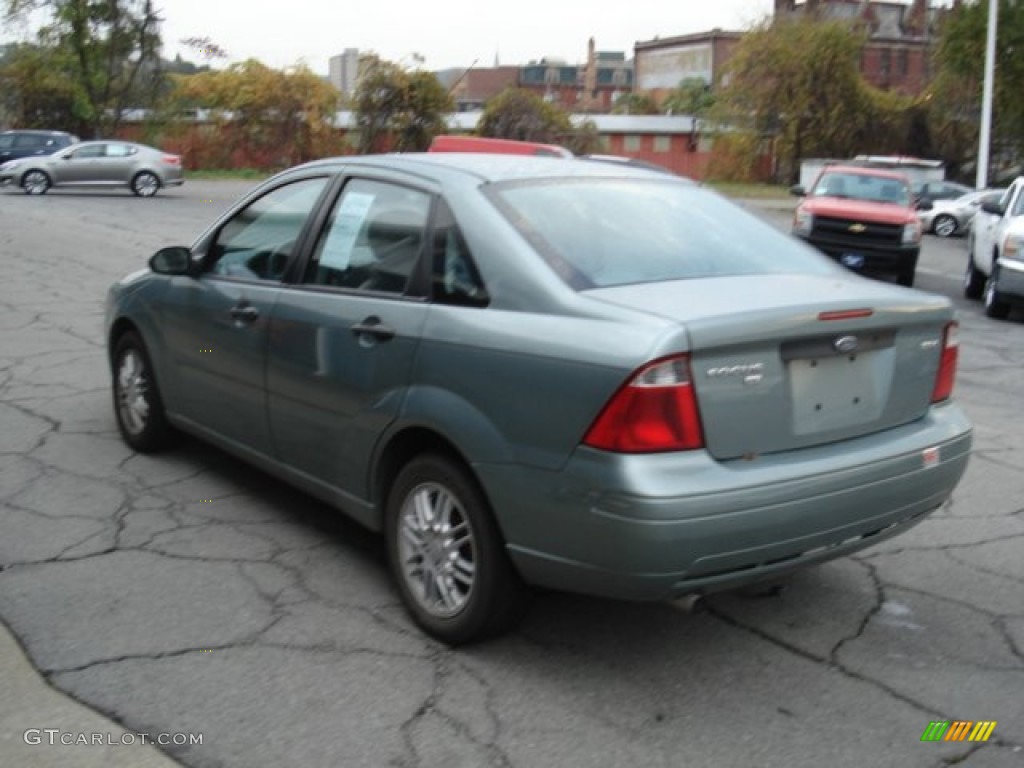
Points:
(598, 232)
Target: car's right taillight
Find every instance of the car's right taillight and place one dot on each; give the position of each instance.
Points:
(171, 160)
(654, 411)
(947, 363)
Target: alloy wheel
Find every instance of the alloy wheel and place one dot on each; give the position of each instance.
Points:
(132, 391)
(437, 549)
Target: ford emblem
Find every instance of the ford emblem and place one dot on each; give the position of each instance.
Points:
(846, 344)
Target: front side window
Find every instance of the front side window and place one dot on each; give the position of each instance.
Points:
(373, 239)
(257, 242)
(6, 141)
(600, 232)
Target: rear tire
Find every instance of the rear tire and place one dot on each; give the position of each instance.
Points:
(995, 307)
(447, 554)
(35, 183)
(145, 184)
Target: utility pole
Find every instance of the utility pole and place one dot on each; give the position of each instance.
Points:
(985, 137)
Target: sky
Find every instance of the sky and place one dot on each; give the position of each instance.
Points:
(447, 33)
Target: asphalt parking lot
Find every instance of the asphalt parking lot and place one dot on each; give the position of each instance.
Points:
(189, 594)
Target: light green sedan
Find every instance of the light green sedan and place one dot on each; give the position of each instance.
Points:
(550, 372)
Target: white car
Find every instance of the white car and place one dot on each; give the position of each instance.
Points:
(953, 217)
(995, 253)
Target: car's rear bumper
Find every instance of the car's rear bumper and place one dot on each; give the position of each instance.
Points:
(655, 526)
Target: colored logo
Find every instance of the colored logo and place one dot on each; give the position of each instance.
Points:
(958, 730)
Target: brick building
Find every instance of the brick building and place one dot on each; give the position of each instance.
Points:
(896, 56)
(661, 64)
(900, 36)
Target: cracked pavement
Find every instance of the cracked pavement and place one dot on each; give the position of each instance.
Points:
(187, 592)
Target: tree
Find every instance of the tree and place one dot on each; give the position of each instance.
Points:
(955, 96)
(396, 108)
(691, 97)
(799, 82)
(109, 52)
(635, 103)
(283, 115)
(517, 113)
(34, 93)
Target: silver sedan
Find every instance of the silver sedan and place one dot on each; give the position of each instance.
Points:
(952, 217)
(142, 169)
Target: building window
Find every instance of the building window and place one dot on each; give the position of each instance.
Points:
(662, 143)
(605, 142)
(884, 64)
(631, 143)
(551, 76)
(902, 65)
(619, 77)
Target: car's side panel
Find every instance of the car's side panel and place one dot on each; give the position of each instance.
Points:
(332, 390)
(215, 356)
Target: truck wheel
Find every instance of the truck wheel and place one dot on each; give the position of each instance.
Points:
(974, 279)
(994, 305)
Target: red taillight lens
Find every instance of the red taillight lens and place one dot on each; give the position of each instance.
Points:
(947, 365)
(655, 411)
(171, 160)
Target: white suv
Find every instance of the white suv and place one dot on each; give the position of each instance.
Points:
(995, 253)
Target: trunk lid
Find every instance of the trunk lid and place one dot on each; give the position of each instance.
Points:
(772, 373)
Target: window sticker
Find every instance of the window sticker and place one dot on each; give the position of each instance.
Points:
(348, 221)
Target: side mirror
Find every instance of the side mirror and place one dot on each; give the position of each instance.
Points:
(797, 191)
(924, 204)
(994, 208)
(175, 260)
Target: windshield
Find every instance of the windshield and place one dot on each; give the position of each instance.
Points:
(862, 186)
(598, 232)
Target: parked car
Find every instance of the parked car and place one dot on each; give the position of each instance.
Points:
(995, 261)
(941, 190)
(865, 218)
(575, 375)
(27, 143)
(952, 217)
(142, 169)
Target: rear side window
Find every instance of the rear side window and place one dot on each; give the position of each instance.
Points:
(374, 238)
(598, 232)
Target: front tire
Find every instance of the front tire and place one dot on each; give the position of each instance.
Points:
(137, 403)
(447, 554)
(36, 183)
(995, 307)
(974, 279)
(145, 184)
(944, 225)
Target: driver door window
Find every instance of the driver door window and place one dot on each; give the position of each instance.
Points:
(258, 241)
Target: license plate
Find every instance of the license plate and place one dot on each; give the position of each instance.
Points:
(852, 260)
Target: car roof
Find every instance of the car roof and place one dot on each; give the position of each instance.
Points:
(864, 170)
(37, 132)
(497, 167)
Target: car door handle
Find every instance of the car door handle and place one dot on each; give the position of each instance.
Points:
(372, 326)
(244, 313)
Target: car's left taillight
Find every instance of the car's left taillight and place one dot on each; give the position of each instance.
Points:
(947, 363)
(654, 411)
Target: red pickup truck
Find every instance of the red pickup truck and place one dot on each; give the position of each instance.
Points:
(864, 218)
